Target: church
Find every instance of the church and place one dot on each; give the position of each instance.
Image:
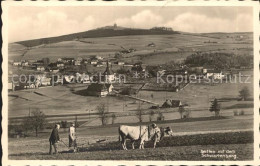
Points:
(109, 75)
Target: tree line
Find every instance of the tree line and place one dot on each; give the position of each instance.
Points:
(219, 60)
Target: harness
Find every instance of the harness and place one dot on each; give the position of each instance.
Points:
(147, 129)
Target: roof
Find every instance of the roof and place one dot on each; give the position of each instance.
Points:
(172, 103)
(67, 58)
(98, 87)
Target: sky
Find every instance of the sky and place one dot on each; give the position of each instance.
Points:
(30, 22)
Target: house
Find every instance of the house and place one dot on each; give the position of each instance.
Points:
(85, 61)
(171, 103)
(45, 81)
(78, 61)
(151, 45)
(120, 63)
(105, 62)
(26, 63)
(40, 68)
(69, 61)
(196, 70)
(54, 70)
(215, 74)
(98, 57)
(93, 62)
(17, 63)
(100, 90)
(60, 64)
(99, 64)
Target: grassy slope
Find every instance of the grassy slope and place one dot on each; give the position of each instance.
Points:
(186, 147)
(166, 47)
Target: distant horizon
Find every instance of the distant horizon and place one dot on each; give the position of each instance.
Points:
(37, 22)
(126, 28)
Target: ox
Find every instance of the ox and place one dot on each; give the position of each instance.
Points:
(142, 133)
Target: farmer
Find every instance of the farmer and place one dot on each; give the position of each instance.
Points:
(156, 131)
(54, 139)
(72, 137)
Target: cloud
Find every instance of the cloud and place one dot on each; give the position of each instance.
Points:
(47, 24)
(198, 23)
(39, 22)
(143, 19)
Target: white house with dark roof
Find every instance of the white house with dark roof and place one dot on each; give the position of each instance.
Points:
(100, 90)
(215, 74)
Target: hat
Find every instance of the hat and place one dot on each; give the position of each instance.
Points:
(154, 125)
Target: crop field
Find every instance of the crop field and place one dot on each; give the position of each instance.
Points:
(236, 146)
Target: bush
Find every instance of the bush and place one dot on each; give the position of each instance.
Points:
(160, 117)
(128, 91)
(187, 113)
(64, 124)
(235, 113)
(242, 112)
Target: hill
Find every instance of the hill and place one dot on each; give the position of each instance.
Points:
(108, 31)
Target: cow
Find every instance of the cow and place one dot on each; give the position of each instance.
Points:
(142, 133)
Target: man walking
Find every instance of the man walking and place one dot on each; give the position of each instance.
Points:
(72, 137)
(54, 139)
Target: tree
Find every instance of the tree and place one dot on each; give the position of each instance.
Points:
(215, 107)
(244, 93)
(37, 121)
(139, 114)
(160, 116)
(113, 118)
(151, 115)
(27, 126)
(64, 124)
(102, 113)
(181, 110)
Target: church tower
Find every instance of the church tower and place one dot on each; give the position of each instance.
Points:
(109, 74)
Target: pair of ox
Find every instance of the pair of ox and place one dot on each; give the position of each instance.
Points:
(142, 134)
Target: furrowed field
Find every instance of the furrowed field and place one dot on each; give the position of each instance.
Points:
(236, 146)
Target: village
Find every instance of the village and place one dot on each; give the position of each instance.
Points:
(75, 70)
(174, 93)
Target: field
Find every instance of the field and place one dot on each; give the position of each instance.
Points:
(170, 148)
(167, 47)
(202, 131)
